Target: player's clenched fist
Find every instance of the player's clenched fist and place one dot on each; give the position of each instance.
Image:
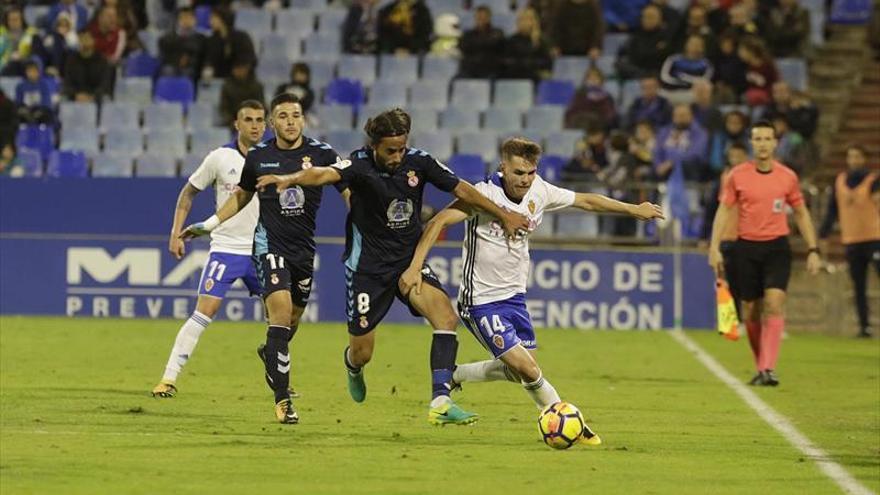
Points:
(199, 229)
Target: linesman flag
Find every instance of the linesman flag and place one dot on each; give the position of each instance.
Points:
(728, 323)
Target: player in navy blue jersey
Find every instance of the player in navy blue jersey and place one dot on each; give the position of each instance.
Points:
(386, 180)
(284, 244)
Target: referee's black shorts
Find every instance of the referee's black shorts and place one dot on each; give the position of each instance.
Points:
(762, 265)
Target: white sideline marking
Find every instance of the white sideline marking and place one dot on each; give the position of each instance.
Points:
(779, 422)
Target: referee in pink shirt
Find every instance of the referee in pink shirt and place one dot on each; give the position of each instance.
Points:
(760, 190)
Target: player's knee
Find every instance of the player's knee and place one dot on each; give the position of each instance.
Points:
(774, 308)
(360, 355)
(529, 373)
(448, 322)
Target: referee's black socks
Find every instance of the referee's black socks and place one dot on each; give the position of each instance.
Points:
(278, 360)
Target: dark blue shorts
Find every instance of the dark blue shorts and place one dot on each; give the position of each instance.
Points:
(369, 297)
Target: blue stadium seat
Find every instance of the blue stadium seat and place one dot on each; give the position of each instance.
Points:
(345, 141)
(175, 89)
(202, 116)
(72, 114)
(129, 141)
(365, 112)
(469, 167)
(273, 70)
(357, 67)
(308, 4)
(31, 162)
(253, 20)
(439, 69)
(513, 93)
(294, 21)
(471, 93)
(629, 91)
(403, 69)
(561, 143)
(483, 143)
(35, 15)
(157, 165)
(612, 43)
(605, 64)
(36, 137)
(460, 119)
(323, 71)
(67, 164)
(794, 72)
(119, 115)
(437, 143)
(570, 68)
(330, 20)
(505, 21)
(163, 116)
(82, 138)
(190, 163)
(333, 117)
(209, 91)
(113, 164)
(323, 46)
(388, 94)
(203, 18)
(502, 120)
(546, 118)
(429, 94)
(613, 88)
(206, 139)
(344, 92)
(8, 84)
(550, 167)
(423, 119)
(150, 40)
(555, 92)
(140, 64)
(167, 141)
(277, 46)
(134, 89)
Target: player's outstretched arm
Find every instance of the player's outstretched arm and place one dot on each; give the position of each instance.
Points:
(181, 211)
(239, 199)
(452, 214)
(716, 261)
(512, 221)
(599, 203)
(805, 226)
(315, 176)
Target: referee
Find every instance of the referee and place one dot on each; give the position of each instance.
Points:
(760, 189)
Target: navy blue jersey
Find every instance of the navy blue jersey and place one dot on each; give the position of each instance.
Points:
(287, 220)
(384, 224)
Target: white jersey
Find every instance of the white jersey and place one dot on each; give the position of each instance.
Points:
(495, 269)
(222, 169)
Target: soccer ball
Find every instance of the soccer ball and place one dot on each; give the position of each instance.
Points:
(561, 425)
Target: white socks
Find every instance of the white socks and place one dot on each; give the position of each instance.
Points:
(483, 371)
(184, 344)
(541, 392)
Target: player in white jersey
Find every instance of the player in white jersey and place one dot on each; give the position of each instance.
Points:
(491, 299)
(231, 243)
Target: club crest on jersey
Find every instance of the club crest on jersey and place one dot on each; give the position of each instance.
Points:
(399, 213)
(498, 341)
(412, 178)
(778, 205)
(209, 284)
(292, 201)
(307, 163)
(363, 322)
(274, 279)
(532, 206)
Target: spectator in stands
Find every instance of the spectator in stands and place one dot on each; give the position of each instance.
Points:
(623, 167)
(110, 38)
(761, 71)
(8, 118)
(742, 20)
(578, 28)
(225, 45)
(10, 163)
(680, 71)
(649, 105)
(527, 52)
(446, 36)
(735, 130)
(592, 105)
(127, 18)
(730, 70)
(79, 16)
(87, 75)
(241, 85)
(671, 16)
(642, 145)
(735, 154)
(787, 29)
(590, 157)
(681, 144)
(715, 15)
(696, 24)
(703, 107)
(644, 52)
(16, 39)
(798, 109)
(480, 47)
(623, 15)
(182, 51)
(33, 96)
(405, 26)
(360, 29)
(792, 150)
(300, 85)
(54, 46)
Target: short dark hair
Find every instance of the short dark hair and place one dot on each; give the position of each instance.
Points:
(529, 151)
(763, 123)
(252, 104)
(858, 147)
(390, 123)
(282, 98)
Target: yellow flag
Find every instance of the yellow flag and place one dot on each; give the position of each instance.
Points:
(728, 323)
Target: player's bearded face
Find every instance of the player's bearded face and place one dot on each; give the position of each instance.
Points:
(389, 151)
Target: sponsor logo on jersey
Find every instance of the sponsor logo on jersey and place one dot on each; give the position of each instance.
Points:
(399, 213)
(307, 162)
(412, 178)
(778, 205)
(270, 165)
(292, 201)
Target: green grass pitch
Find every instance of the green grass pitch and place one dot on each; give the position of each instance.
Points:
(76, 416)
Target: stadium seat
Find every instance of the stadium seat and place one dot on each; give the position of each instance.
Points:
(272, 69)
(322, 72)
(253, 20)
(513, 93)
(294, 21)
(31, 161)
(547, 226)
(8, 84)
(402, 69)
(209, 92)
(129, 141)
(345, 141)
(190, 163)
(202, 116)
(308, 4)
(360, 68)
(793, 71)
(82, 138)
(157, 165)
(150, 40)
(140, 64)
(629, 91)
(203, 18)
(323, 46)
(505, 21)
(483, 143)
(612, 43)
(545, 118)
(365, 112)
(460, 119)
(344, 92)
(555, 92)
(469, 167)
(330, 20)
(570, 68)
(67, 164)
(605, 64)
(175, 89)
(166, 141)
(73, 114)
(277, 46)
(613, 88)
(502, 120)
(577, 226)
(562, 143)
(423, 119)
(35, 15)
(334, 117)
(470, 93)
(113, 164)
(497, 6)
(388, 94)
(429, 94)
(163, 116)
(134, 89)
(437, 143)
(439, 69)
(119, 115)
(36, 137)
(550, 167)
(206, 139)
